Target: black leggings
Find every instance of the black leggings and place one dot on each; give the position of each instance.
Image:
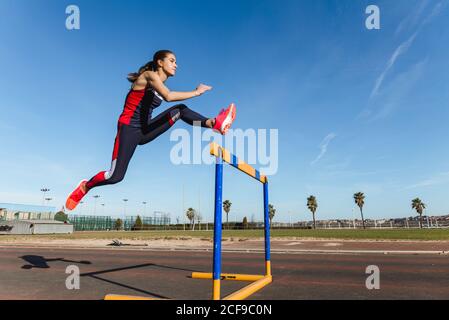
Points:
(128, 138)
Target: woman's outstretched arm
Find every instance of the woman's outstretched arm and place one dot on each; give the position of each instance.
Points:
(168, 95)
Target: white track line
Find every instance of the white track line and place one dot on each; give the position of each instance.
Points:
(276, 251)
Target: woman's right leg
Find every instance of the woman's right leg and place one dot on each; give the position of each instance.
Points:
(125, 144)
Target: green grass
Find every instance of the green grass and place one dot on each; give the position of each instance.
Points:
(385, 234)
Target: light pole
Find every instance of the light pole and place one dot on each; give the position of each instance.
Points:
(44, 190)
(353, 216)
(290, 218)
(144, 208)
(95, 206)
(103, 208)
(81, 207)
(124, 206)
(48, 200)
(183, 212)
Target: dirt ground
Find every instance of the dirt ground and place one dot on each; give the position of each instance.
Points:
(156, 242)
(290, 244)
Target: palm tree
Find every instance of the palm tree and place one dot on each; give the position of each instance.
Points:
(227, 207)
(312, 205)
(271, 212)
(191, 213)
(419, 206)
(359, 199)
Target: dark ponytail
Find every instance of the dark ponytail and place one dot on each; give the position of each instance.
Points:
(152, 65)
(149, 66)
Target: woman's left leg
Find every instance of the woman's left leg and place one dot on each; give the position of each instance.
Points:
(167, 119)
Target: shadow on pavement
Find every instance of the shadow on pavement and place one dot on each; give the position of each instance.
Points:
(41, 262)
(96, 273)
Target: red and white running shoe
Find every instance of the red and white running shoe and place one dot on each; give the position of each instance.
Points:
(76, 195)
(224, 119)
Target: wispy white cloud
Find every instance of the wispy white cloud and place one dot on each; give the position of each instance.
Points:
(440, 178)
(412, 19)
(436, 11)
(323, 146)
(356, 173)
(405, 46)
(398, 88)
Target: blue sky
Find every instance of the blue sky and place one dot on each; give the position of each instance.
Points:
(356, 109)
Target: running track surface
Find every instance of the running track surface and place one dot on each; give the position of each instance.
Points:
(40, 273)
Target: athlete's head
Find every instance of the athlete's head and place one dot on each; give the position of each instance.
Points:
(163, 60)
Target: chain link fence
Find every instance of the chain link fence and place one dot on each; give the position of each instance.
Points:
(427, 222)
(162, 222)
(105, 223)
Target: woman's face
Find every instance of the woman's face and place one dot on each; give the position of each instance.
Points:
(169, 65)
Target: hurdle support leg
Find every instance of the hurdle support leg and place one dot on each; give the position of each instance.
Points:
(267, 230)
(259, 281)
(217, 228)
(250, 289)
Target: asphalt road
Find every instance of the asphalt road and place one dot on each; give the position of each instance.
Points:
(38, 273)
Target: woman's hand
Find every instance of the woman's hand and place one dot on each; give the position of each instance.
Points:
(202, 88)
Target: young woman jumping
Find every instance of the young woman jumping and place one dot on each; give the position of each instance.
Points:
(137, 127)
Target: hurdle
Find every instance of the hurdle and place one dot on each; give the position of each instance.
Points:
(258, 281)
(222, 155)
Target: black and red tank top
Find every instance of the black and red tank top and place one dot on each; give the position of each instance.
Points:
(139, 105)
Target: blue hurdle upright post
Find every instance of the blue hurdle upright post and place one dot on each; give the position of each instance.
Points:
(260, 281)
(217, 227)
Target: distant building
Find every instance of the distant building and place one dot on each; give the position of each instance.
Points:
(35, 227)
(11, 211)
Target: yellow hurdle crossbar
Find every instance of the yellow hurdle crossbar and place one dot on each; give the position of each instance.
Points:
(236, 162)
(227, 276)
(250, 289)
